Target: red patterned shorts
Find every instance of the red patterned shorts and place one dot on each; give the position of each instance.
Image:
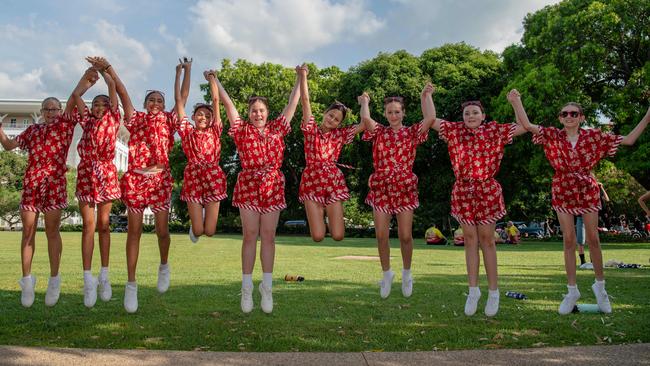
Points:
(260, 190)
(393, 192)
(44, 191)
(97, 182)
(477, 202)
(140, 191)
(203, 184)
(324, 184)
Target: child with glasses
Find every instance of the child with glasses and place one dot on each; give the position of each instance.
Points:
(204, 183)
(259, 191)
(322, 186)
(393, 187)
(148, 181)
(573, 152)
(476, 148)
(44, 185)
(97, 184)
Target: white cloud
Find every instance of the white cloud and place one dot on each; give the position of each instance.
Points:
(22, 86)
(276, 30)
(177, 42)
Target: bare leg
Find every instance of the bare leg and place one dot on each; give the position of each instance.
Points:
(133, 243)
(268, 226)
(250, 221)
(104, 231)
(27, 243)
(162, 231)
(489, 249)
(382, 222)
(196, 218)
(211, 218)
(88, 234)
(569, 239)
(315, 217)
(472, 259)
(335, 220)
(405, 233)
(596, 255)
(54, 244)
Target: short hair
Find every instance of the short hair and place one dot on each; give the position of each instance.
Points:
(472, 102)
(397, 99)
(50, 99)
(574, 104)
(339, 107)
(257, 98)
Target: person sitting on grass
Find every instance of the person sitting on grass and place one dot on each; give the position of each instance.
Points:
(459, 239)
(434, 236)
(513, 233)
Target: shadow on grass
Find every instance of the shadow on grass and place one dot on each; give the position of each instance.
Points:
(330, 316)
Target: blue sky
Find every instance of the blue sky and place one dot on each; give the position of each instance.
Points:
(44, 42)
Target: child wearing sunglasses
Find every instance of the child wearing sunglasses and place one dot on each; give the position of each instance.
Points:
(259, 191)
(573, 152)
(44, 185)
(322, 186)
(97, 184)
(393, 187)
(476, 148)
(148, 181)
(204, 183)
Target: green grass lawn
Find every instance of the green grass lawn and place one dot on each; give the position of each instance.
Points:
(336, 308)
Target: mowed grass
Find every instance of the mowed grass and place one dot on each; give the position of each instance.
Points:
(337, 307)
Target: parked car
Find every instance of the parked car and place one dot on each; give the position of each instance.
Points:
(295, 223)
(531, 230)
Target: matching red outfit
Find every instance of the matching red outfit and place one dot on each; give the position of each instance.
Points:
(575, 190)
(96, 174)
(475, 154)
(152, 137)
(44, 184)
(393, 185)
(203, 181)
(260, 184)
(322, 181)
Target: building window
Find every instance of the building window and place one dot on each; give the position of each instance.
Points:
(25, 122)
(12, 123)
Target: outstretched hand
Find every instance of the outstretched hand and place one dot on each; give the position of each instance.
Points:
(363, 98)
(91, 75)
(209, 73)
(2, 117)
(429, 89)
(302, 70)
(98, 62)
(514, 96)
(36, 117)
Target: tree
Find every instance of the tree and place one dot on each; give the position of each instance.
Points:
(12, 169)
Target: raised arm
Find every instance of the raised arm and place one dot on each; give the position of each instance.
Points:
(112, 91)
(631, 137)
(303, 71)
(5, 141)
(88, 79)
(290, 109)
(101, 63)
(231, 111)
(364, 102)
(179, 105)
(214, 93)
(428, 109)
(520, 114)
(644, 197)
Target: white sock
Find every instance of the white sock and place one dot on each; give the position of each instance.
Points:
(164, 267)
(88, 276)
(406, 273)
(493, 293)
(132, 284)
(103, 273)
(600, 284)
(27, 278)
(388, 274)
(573, 290)
(267, 279)
(474, 292)
(55, 280)
(247, 280)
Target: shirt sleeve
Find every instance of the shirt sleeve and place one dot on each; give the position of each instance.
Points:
(309, 127)
(184, 127)
(609, 143)
(348, 134)
(136, 120)
(172, 120)
(371, 135)
(541, 137)
(446, 129)
(82, 118)
(236, 127)
(280, 126)
(507, 131)
(416, 135)
(24, 139)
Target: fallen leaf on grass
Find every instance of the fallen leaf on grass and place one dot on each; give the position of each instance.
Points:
(620, 334)
(216, 314)
(482, 339)
(574, 324)
(492, 346)
(539, 344)
(94, 337)
(531, 332)
(153, 340)
(497, 336)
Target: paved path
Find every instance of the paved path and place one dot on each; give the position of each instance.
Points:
(618, 355)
